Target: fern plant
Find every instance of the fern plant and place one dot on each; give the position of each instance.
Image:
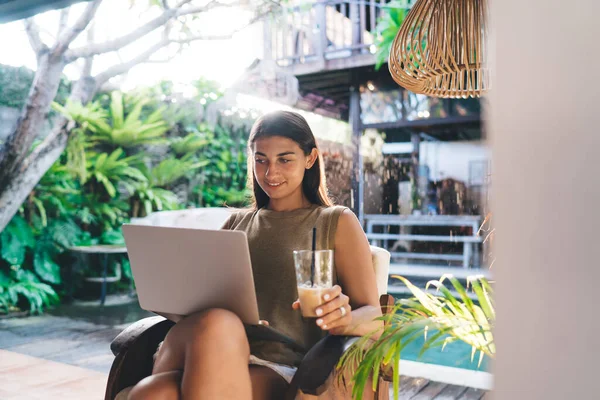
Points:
(154, 195)
(115, 127)
(108, 170)
(188, 144)
(171, 169)
(52, 196)
(24, 285)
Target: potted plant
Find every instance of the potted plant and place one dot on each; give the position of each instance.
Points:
(442, 317)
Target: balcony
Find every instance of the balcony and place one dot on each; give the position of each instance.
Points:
(325, 35)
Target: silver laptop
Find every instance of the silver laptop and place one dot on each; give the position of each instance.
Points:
(183, 271)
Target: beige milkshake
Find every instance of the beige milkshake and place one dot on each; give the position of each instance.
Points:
(310, 298)
(314, 276)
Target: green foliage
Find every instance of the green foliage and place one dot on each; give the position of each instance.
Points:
(152, 194)
(108, 170)
(15, 83)
(171, 169)
(147, 198)
(207, 91)
(114, 127)
(223, 180)
(387, 28)
(23, 246)
(441, 318)
(189, 144)
(21, 286)
(126, 157)
(54, 239)
(15, 239)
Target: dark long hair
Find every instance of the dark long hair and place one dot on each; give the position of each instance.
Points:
(293, 126)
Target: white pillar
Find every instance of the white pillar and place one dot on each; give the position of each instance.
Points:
(545, 134)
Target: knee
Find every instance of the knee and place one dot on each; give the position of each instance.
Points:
(151, 387)
(220, 329)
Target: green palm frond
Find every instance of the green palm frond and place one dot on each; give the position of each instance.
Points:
(116, 109)
(171, 169)
(25, 284)
(188, 144)
(112, 169)
(118, 128)
(387, 27)
(441, 318)
(92, 113)
(151, 199)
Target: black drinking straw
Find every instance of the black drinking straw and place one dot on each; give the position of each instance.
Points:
(312, 264)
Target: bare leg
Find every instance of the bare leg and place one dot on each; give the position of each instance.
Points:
(164, 386)
(212, 350)
(266, 385)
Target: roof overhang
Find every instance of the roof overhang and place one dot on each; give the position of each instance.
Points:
(12, 10)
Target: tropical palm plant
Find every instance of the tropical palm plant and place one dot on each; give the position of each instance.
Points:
(21, 243)
(153, 194)
(442, 318)
(387, 27)
(170, 170)
(223, 181)
(146, 199)
(96, 211)
(109, 170)
(24, 284)
(189, 144)
(115, 127)
(52, 197)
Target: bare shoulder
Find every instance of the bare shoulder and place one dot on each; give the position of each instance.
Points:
(348, 228)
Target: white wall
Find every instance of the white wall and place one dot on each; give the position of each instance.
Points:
(544, 136)
(451, 159)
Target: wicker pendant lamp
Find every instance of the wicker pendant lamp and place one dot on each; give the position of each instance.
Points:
(440, 49)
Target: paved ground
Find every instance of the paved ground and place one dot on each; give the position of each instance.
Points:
(78, 335)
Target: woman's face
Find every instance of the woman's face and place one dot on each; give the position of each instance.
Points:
(279, 166)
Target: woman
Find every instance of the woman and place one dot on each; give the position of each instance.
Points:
(208, 355)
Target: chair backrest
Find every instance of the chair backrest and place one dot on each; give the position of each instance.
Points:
(215, 217)
(381, 265)
(201, 218)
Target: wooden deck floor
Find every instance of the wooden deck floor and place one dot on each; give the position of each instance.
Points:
(71, 346)
(24, 377)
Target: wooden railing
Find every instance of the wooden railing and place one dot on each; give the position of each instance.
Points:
(323, 29)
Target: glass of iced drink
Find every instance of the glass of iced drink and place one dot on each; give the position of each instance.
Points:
(314, 275)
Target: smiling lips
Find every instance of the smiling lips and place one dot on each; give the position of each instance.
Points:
(274, 185)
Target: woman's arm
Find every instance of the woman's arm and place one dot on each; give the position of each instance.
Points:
(356, 276)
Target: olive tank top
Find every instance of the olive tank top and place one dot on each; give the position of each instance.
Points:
(272, 238)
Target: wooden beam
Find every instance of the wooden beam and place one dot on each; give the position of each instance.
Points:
(357, 161)
(336, 76)
(334, 94)
(425, 122)
(354, 61)
(325, 84)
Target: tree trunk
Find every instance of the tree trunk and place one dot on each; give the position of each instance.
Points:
(43, 90)
(27, 173)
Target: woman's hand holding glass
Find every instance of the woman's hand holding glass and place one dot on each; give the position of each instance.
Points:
(335, 313)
